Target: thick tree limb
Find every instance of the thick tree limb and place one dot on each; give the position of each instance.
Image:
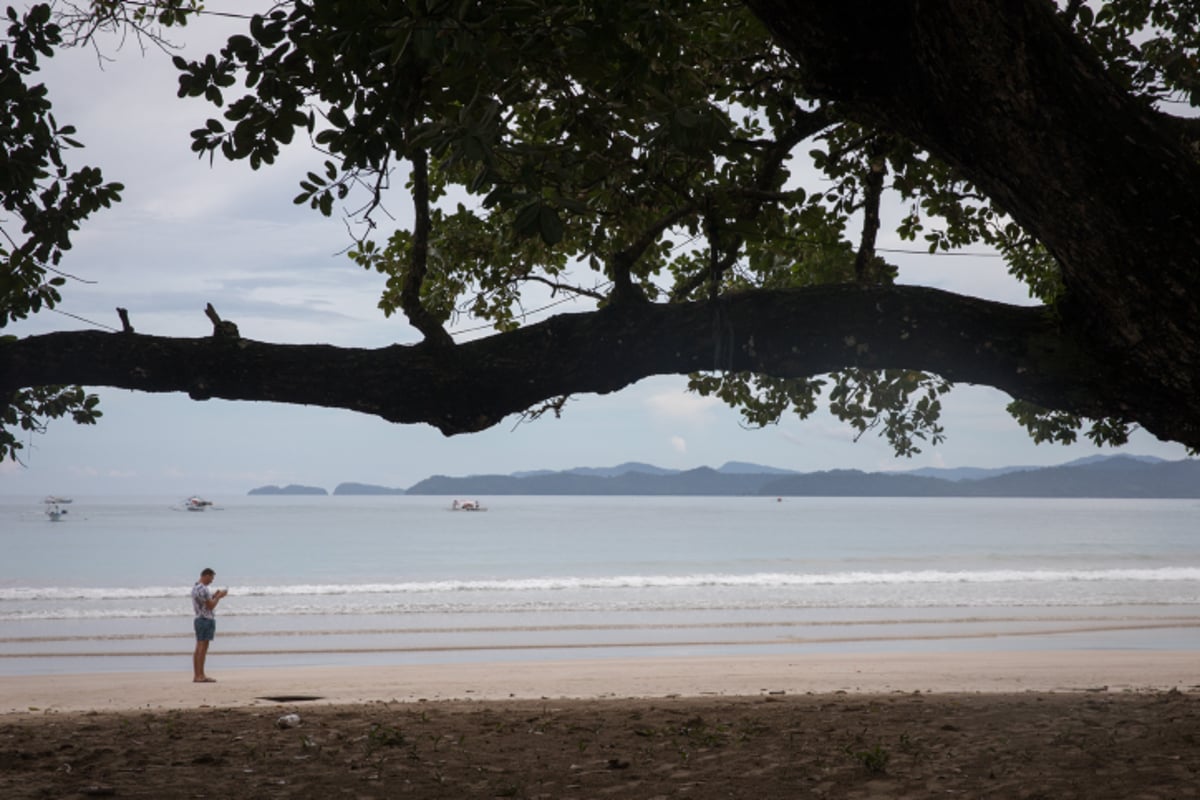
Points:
(472, 386)
(1006, 93)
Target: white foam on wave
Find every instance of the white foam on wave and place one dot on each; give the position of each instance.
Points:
(575, 583)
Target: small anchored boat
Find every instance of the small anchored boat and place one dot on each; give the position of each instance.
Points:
(196, 503)
(466, 505)
(54, 509)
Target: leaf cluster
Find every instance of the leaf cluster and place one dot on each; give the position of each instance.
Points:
(30, 410)
(44, 202)
(1046, 425)
(43, 199)
(1152, 47)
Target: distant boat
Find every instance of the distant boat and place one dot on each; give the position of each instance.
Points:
(196, 503)
(55, 499)
(54, 510)
(466, 505)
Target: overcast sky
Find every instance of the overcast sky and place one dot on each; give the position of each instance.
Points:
(188, 233)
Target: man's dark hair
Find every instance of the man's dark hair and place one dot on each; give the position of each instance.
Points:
(207, 571)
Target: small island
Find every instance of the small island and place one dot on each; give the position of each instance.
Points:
(290, 489)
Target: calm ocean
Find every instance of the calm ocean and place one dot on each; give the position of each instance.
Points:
(388, 580)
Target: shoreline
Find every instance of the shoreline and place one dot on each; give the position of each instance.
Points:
(1073, 671)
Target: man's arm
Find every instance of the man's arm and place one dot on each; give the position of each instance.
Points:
(215, 598)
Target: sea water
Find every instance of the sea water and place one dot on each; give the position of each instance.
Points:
(389, 580)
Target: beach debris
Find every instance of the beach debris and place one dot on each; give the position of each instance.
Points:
(287, 721)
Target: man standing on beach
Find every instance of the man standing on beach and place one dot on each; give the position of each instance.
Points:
(204, 602)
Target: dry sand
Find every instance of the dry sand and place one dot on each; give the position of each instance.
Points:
(1021, 725)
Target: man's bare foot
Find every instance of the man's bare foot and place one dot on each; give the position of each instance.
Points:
(205, 679)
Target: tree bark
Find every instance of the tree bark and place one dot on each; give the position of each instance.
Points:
(1002, 90)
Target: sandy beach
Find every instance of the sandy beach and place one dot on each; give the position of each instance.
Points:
(1092, 724)
(732, 676)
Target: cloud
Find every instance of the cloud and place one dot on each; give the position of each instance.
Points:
(685, 407)
(87, 471)
(820, 430)
(679, 444)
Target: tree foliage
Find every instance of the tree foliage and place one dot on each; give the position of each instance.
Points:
(654, 155)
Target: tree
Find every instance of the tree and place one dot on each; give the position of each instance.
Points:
(649, 155)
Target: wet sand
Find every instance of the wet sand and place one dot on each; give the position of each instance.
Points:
(879, 673)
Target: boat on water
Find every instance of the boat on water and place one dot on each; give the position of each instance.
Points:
(54, 509)
(466, 505)
(59, 501)
(195, 503)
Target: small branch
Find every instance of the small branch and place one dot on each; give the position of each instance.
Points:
(124, 315)
(711, 228)
(222, 329)
(555, 286)
(864, 260)
(622, 262)
(414, 278)
(554, 405)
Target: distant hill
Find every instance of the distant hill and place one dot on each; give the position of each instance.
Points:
(854, 483)
(602, 472)
(1106, 476)
(1095, 476)
(964, 473)
(742, 468)
(291, 489)
(364, 488)
(1118, 476)
(978, 473)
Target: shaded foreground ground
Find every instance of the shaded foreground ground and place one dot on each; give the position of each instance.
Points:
(1029, 745)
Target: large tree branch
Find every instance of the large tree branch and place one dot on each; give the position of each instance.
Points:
(471, 386)
(1002, 90)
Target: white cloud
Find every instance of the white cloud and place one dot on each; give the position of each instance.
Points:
(685, 407)
(679, 444)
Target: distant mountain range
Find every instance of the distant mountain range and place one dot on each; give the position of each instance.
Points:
(1095, 476)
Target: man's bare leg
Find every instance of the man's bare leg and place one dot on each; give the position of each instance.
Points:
(198, 658)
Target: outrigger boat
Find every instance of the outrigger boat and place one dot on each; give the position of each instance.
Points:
(196, 503)
(54, 510)
(466, 505)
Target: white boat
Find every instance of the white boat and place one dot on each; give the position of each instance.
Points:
(466, 505)
(56, 500)
(54, 511)
(196, 503)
